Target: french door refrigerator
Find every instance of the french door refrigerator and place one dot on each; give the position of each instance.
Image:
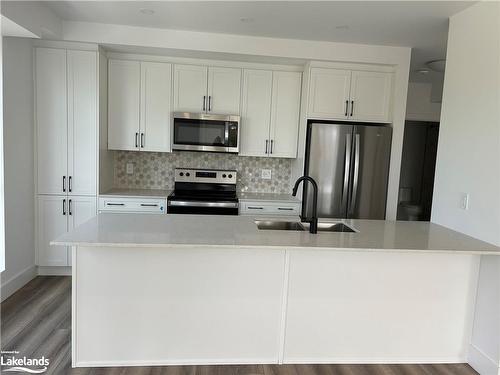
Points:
(350, 163)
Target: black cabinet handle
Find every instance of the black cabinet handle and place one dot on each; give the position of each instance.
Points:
(209, 103)
(136, 139)
(148, 205)
(115, 204)
(267, 142)
(70, 185)
(352, 107)
(142, 140)
(64, 184)
(272, 142)
(255, 208)
(285, 208)
(64, 206)
(204, 101)
(346, 107)
(69, 207)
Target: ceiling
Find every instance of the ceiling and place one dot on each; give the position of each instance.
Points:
(422, 25)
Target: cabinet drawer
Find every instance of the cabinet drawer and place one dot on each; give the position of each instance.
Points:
(269, 208)
(151, 205)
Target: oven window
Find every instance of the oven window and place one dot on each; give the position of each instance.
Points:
(199, 132)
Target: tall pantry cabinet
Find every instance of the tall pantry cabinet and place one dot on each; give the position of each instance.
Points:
(66, 146)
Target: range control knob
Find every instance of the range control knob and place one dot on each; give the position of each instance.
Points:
(187, 174)
(230, 176)
(224, 175)
(181, 174)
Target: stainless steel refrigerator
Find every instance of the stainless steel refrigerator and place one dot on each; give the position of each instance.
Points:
(350, 163)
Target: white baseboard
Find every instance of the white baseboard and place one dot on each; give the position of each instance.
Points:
(17, 282)
(482, 363)
(372, 360)
(54, 271)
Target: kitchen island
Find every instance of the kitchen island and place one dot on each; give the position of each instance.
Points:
(187, 289)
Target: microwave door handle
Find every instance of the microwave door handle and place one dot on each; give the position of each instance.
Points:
(226, 135)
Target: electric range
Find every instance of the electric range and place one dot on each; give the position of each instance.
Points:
(203, 191)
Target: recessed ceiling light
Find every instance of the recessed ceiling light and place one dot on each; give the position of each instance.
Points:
(146, 11)
(423, 71)
(437, 65)
(247, 19)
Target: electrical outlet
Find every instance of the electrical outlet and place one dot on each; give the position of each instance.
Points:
(266, 174)
(464, 201)
(130, 168)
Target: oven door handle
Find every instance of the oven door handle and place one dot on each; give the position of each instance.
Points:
(203, 204)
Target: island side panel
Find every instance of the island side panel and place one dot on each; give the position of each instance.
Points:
(352, 307)
(155, 306)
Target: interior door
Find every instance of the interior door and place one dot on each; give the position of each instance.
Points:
(51, 120)
(370, 96)
(156, 107)
(285, 114)
(82, 122)
(256, 112)
(190, 88)
(370, 172)
(80, 209)
(124, 79)
(328, 159)
(52, 222)
(224, 89)
(329, 93)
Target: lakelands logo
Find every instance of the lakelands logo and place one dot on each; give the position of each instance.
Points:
(11, 363)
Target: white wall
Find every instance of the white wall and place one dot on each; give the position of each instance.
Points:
(468, 160)
(19, 178)
(420, 106)
(2, 212)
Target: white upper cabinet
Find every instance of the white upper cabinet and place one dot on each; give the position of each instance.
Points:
(156, 105)
(66, 121)
(256, 112)
(207, 89)
(190, 88)
(285, 111)
(139, 105)
(51, 120)
(224, 86)
(270, 113)
(82, 123)
(370, 96)
(337, 94)
(329, 93)
(124, 82)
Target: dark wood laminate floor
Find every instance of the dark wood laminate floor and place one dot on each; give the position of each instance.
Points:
(36, 321)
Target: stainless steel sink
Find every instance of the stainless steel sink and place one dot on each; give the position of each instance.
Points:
(279, 225)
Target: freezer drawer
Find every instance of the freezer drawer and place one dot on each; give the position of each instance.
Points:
(132, 205)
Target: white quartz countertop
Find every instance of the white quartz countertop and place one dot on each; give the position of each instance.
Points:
(147, 230)
(142, 193)
(245, 196)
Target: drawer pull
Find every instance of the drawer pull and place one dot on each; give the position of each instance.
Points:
(255, 208)
(285, 208)
(148, 205)
(115, 204)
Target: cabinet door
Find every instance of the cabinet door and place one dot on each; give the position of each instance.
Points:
(52, 222)
(124, 78)
(256, 112)
(224, 87)
(156, 107)
(285, 110)
(371, 96)
(80, 209)
(328, 93)
(190, 88)
(82, 123)
(51, 119)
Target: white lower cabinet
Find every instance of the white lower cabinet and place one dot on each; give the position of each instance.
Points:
(132, 204)
(56, 215)
(269, 208)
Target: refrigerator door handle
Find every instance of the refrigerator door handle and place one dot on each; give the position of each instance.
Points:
(347, 170)
(356, 173)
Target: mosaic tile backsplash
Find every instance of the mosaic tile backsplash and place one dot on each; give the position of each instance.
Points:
(154, 170)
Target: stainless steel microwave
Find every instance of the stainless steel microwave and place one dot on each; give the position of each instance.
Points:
(205, 132)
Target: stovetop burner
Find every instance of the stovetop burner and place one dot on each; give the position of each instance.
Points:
(204, 191)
